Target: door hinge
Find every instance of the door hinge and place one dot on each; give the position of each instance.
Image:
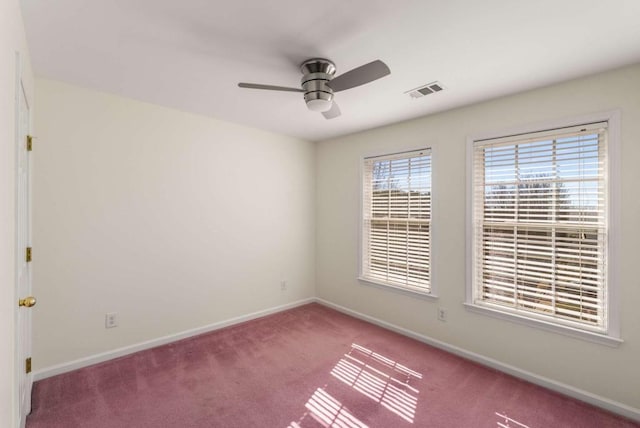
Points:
(28, 255)
(29, 143)
(27, 365)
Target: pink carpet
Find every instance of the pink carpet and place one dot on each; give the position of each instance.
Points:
(304, 368)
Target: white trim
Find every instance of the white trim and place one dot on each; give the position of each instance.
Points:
(531, 321)
(120, 352)
(397, 288)
(469, 235)
(568, 390)
(433, 226)
(614, 197)
(612, 336)
(361, 213)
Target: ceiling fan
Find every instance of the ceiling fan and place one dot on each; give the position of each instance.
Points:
(319, 84)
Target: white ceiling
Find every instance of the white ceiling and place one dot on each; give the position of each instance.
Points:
(190, 54)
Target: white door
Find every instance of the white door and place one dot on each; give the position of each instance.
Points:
(23, 265)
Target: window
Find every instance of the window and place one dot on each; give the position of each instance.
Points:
(539, 226)
(396, 220)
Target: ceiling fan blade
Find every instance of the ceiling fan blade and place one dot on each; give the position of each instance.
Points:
(268, 87)
(359, 76)
(333, 112)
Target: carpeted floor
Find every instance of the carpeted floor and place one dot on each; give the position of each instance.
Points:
(304, 368)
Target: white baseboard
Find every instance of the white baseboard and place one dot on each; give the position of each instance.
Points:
(120, 352)
(587, 397)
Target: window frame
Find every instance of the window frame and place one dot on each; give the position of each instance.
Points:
(610, 336)
(431, 295)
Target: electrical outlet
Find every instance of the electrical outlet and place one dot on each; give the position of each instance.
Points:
(283, 285)
(111, 320)
(442, 314)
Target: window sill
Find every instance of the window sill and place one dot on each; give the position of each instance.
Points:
(401, 290)
(590, 336)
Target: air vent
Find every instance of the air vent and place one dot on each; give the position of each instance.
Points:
(429, 88)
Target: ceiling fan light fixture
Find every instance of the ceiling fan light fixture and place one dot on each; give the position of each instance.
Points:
(319, 101)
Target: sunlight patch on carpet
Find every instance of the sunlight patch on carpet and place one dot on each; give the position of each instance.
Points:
(329, 412)
(506, 422)
(381, 379)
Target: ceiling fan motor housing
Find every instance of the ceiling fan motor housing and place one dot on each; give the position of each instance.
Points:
(317, 73)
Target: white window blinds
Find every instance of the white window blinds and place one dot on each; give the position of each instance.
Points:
(396, 220)
(540, 224)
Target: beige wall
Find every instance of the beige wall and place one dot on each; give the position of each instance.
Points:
(611, 373)
(12, 41)
(174, 221)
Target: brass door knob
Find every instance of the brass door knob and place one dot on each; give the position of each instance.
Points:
(27, 301)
